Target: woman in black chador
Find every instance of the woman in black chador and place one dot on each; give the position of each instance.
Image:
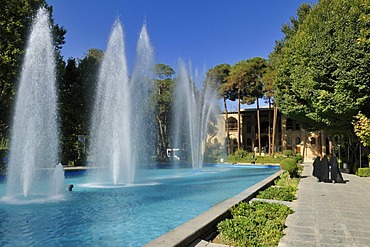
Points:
(325, 169)
(317, 169)
(336, 176)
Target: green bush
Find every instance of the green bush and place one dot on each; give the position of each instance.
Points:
(255, 224)
(285, 180)
(284, 190)
(289, 165)
(288, 153)
(240, 154)
(363, 172)
(299, 158)
(3, 157)
(278, 193)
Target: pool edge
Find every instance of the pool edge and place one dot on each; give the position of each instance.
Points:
(202, 224)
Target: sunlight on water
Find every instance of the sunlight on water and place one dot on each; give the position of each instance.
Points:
(34, 140)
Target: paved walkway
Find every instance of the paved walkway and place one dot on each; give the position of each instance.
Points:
(329, 214)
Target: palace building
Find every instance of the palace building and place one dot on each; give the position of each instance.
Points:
(289, 134)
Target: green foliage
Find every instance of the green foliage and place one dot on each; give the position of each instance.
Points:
(213, 153)
(286, 181)
(299, 158)
(288, 153)
(217, 77)
(289, 165)
(3, 157)
(255, 224)
(164, 101)
(284, 190)
(267, 159)
(363, 172)
(4, 143)
(322, 72)
(278, 193)
(361, 126)
(243, 157)
(15, 22)
(76, 91)
(240, 154)
(246, 75)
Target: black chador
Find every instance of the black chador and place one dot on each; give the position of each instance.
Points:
(325, 169)
(317, 168)
(336, 176)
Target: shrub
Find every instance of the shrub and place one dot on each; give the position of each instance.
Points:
(278, 193)
(285, 180)
(288, 153)
(289, 165)
(284, 190)
(363, 172)
(255, 224)
(240, 153)
(3, 160)
(299, 158)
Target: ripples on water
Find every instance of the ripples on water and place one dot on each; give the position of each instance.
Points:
(124, 215)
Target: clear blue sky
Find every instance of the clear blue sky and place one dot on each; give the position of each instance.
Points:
(205, 32)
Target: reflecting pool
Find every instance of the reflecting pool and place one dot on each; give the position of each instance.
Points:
(125, 215)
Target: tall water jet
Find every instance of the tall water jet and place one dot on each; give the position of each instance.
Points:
(143, 107)
(111, 113)
(34, 142)
(118, 122)
(192, 112)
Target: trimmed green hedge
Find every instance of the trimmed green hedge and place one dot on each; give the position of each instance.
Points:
(255, 224)
(288, 153)
(289, 165)
(284, 190)
(363, 172)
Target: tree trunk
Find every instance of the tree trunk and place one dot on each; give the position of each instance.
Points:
(304, 145)
(259, 127)
(269, 129)
(227, 128)
(274, 123)
(239, 118)
(162, 139)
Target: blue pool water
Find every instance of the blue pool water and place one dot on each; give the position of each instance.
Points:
(125, 216)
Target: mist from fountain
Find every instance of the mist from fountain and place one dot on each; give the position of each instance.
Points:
(120, 121)
(192, 112)
(32, 169)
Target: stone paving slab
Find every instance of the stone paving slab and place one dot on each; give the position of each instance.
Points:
(329, 214)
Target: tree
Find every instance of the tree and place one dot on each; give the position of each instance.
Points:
(15, 22)
(88, 73)
(69, 120)
(322, 72)
(268, 80)
(217, 76)
(237, 79)
(164, 101)
(76, 99)
(361, 126)
(245, 76)
(253, 90)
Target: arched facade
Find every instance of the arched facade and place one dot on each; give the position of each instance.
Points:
(288, 133)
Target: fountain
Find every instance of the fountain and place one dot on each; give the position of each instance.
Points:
(192, 112)
(122, 130)
(32, 171)
(121, 118)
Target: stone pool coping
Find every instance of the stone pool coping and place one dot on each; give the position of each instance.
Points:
(206, 222)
